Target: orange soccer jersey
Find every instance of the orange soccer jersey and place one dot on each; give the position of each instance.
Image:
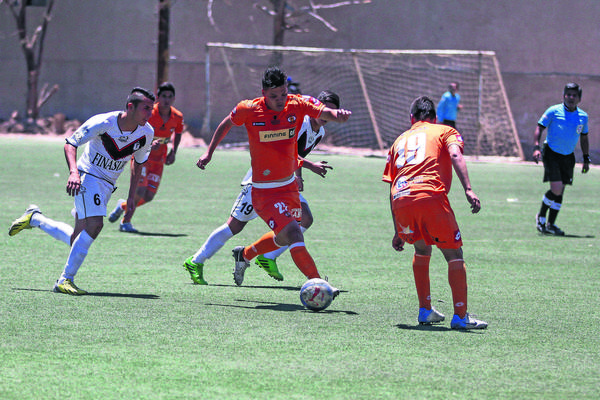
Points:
(163, 131)
(420, 172)
(418, 163)
(272, 134)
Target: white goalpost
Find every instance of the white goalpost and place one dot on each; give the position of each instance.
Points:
(377, 85)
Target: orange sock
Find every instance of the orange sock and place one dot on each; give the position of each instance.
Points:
(263, 245)
(457, 276)
(124, 206)
(421, 273)
(142, 201)
(303, 260)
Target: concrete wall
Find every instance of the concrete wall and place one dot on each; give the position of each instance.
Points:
(97, 49)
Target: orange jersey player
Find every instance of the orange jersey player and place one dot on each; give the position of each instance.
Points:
(419, 171)
(167, 122)
(272, 122)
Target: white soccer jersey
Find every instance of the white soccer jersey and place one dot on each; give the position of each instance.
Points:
(307, 140)
(109, 149)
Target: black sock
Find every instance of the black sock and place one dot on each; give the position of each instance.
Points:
(554, 211)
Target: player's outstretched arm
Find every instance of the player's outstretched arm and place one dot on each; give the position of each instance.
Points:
(460, 167)
(319, 168)
(221, 131)
(335, 115)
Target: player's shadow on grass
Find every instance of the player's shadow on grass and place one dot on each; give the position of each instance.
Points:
(97, 294)
(294, 288)
(437, 328)
(579, 236)
(128, 295)
(141, 233)
(269, 305)
(568, 235)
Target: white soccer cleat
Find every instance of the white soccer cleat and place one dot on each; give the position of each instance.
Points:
(240, 265)
(428, 317)
(467, 322)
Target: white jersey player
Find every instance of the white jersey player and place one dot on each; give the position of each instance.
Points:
(111, 140)
(309, 136)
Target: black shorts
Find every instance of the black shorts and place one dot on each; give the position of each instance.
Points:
(558, 167)
(449, 122)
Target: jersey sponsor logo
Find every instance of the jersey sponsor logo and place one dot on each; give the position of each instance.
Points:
(402, 193)
(112, 165)
(401, 184)
(259, 123)
(274, 136)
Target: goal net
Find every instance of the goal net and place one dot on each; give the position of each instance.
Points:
(377, 85)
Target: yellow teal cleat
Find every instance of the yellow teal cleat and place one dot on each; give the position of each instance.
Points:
(23, 222)
(68, 287)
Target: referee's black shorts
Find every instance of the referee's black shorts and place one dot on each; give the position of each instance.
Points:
(558, 167)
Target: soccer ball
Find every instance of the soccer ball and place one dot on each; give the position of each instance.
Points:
(316, 294)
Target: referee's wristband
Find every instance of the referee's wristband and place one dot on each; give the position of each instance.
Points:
(586, 158)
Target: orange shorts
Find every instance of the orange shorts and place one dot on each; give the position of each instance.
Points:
(152, 170)
(278, 206)
(431, 220)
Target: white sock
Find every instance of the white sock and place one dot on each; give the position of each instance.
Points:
(215, 241)
(58, 230)
(79, 250)
(272, 255)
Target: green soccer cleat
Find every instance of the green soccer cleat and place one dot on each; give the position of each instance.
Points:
(23, 222)
(270, 266)
(68, 287)
(195, 270)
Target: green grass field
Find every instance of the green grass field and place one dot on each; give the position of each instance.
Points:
(146, 332)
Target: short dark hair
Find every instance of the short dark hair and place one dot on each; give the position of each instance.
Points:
(572, 86)
(423, 108)
(137, 95)
(327, 96)
(273, 77)
(165, 87)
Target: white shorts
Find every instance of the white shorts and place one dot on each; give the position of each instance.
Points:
(243, 210)
(93, 196)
